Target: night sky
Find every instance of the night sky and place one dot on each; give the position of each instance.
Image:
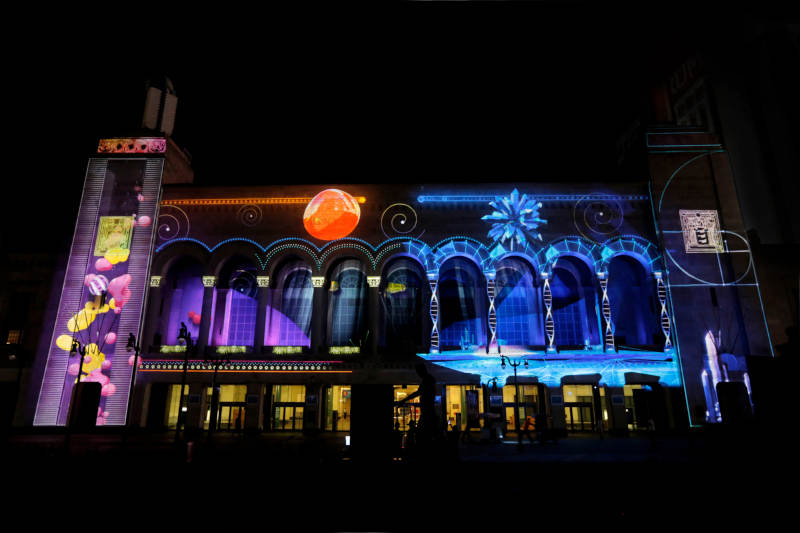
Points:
(446, 93)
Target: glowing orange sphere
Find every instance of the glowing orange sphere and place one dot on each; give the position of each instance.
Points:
(331, 214)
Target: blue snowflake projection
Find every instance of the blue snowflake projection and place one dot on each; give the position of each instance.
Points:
(516, 219)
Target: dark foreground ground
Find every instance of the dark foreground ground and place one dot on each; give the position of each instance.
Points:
(284, 483)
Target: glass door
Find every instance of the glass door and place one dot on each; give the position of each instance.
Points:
(231, 416)
(579, 416)
(287, 418)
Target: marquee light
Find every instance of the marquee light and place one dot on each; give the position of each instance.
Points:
(286, 350)
(231, 349)
(178, 348)
(343, 350)
(280, 200)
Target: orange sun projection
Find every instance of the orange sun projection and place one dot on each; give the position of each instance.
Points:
(331, 214)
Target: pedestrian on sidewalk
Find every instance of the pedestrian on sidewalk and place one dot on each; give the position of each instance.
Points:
(527, 426)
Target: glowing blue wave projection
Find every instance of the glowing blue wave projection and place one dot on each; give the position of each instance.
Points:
(551, 369)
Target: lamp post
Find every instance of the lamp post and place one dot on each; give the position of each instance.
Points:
(514, 364)
(132, 346)
(188, 341)
(217, 360)
(76, 349)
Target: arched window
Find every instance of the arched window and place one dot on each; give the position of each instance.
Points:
(574, 303)
(403, 285)
(462, 305)
(518, 305)
(633, 304)
(347, 298)
(289, 309)
(183, 301)
(235, 304)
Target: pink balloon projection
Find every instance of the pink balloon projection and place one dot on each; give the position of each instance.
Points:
(194, 317)
(97, 375)
(118, 289)
(105, 365)
(143, 221)
(108, 389)
(103, 265)
(111, 337)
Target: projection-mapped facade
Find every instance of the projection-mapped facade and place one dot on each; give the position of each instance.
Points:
(624, 303)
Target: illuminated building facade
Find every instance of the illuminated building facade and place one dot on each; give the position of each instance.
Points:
(310, 307)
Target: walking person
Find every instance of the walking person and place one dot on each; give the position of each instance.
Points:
(527, 426)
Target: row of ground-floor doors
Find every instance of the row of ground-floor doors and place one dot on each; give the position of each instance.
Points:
(466, 407)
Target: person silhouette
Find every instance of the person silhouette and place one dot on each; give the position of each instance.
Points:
(183, 333)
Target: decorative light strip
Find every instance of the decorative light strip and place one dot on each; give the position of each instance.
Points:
(177, 348)
(661, 289)
(609, 330)
(286, 350)
(343, 246)
(231, 349)
(243, 366)
(549, 323)
(344, 350)
(285, 200)
(483, 198)
(434, 311)
(133, 145)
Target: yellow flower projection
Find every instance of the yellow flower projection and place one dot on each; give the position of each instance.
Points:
(117, 255)
(83, 318)
(331, 214)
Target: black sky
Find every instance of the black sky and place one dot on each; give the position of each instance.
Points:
(443, 93)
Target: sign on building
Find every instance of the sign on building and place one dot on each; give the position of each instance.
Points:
(701, 233)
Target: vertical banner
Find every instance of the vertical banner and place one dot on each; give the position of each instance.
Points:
(104, 289)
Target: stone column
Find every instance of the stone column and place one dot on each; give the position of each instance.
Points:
(152, 322)
(261, 314)
(318, 315)
(196, 411)
(374, 314)
(619, 421)
(557, 419)
(311, 411)
(255, 391)
(605, 306)
(205, 318)
(434, 312)
(549, 323)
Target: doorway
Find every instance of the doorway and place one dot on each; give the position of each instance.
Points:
(230, 416)
(579, 416)
(287, 418)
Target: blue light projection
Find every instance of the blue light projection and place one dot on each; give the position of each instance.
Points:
(551, 369)
(516, 218)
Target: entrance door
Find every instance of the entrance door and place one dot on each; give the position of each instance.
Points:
(579, 416)
(230, 416)
(287, 417)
